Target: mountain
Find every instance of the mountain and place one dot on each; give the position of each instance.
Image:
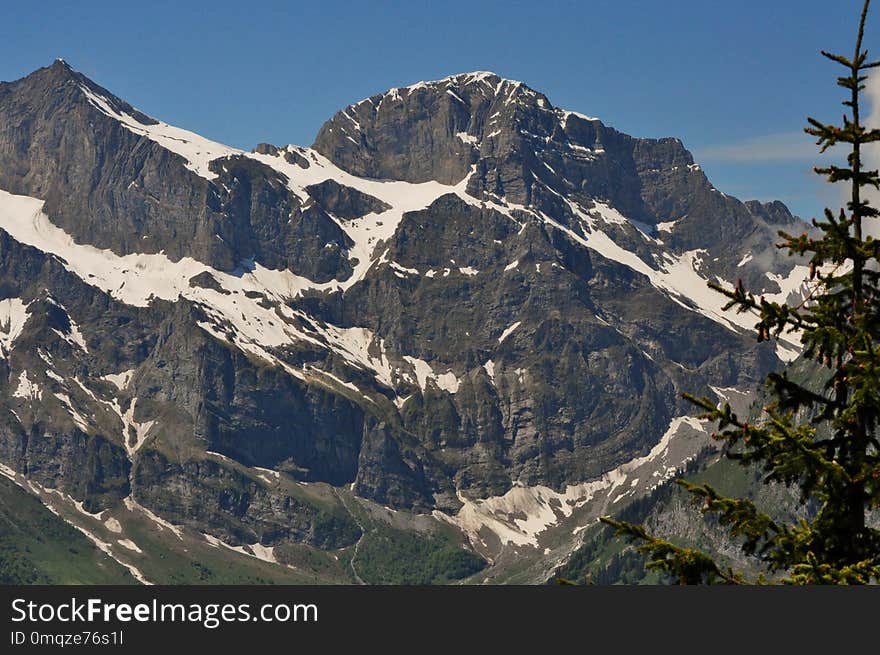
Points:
(460, 322)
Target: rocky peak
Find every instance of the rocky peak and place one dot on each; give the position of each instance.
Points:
(61, 70)
(774, 212)
(60, 87)
(55, 74)
(454, 122)
(426, 131)
(416, 345)
(513, 143)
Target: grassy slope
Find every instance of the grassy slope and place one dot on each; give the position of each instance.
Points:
(37, 547)
(391, 556)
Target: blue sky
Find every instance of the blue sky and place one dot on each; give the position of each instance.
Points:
(733, 80)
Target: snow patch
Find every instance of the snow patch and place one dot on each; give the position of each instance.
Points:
(120, 380)
(113, 525)
(336, 379)
(257, 550)
(566, 115)
(221, 456)
(269, 476)
(52, 375)
(490, 370)
(27, 389)
(13, 316)
(128, 543)
(8, 472)
(422, 372)
(507, 332)
(403, 269)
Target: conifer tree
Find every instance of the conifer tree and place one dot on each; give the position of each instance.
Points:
(824, 441)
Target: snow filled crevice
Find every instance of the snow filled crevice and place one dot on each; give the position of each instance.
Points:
(13, 316)
(132, 428)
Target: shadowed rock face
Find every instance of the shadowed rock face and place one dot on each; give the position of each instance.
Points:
(498, 333)
(345, 202)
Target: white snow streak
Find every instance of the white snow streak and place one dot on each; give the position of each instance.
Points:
(509, 331)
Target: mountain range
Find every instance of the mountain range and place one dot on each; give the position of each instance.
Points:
(434, 346)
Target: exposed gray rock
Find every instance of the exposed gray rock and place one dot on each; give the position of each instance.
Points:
(345, 202)
(218, 500)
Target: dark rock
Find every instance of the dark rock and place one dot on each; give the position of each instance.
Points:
(207, 281)
(345, 202)
(218, 500)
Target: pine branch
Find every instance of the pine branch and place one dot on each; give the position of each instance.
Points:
(688, 566)
(741, 516)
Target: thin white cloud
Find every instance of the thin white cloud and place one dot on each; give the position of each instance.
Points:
(781, 146)
(801, 147)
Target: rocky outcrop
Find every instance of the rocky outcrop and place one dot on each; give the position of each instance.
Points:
(220, 501)
(345, 202)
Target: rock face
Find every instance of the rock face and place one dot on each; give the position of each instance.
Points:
(459, 288)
